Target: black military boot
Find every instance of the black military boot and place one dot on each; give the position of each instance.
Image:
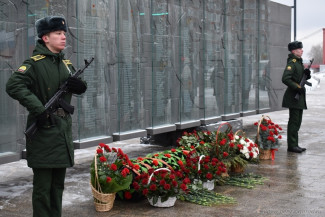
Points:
(303, 149)
(295, 149)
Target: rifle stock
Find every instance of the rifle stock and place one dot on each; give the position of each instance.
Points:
(56, 100)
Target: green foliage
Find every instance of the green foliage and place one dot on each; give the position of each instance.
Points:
(112, 166)
(200, 141)
(248, 180)
(205, 197)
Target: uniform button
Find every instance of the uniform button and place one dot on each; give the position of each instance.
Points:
(48, 88)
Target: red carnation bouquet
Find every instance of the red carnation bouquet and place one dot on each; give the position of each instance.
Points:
(268, 134)
(111, 171)
(204, 168)
(161, 183)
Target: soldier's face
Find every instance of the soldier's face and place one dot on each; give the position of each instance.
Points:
(298, 52)
(55, 41)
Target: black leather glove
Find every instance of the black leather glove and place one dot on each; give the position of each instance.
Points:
(301, 90)
(307, 73)
(42, 118)
(76, 86)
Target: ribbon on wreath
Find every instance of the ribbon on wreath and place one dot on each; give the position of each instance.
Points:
(273, 153)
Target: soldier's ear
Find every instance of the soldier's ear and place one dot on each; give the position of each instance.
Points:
(45, 38)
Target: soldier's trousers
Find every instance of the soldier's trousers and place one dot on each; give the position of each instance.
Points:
(294, 123)
(48, 186)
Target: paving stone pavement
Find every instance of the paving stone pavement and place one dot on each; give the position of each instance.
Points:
(294, 186)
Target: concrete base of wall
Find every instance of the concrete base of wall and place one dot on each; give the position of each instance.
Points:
(170, 138)
(90, 142)
(235, 125)
(161, 129)
(129, 135)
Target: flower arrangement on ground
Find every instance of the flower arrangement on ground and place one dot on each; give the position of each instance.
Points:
(268, 134)
(161, 184)
(201, 141)
(172, 157)
(110, 170)
(226, 150)
(202, 168)
(247, 148)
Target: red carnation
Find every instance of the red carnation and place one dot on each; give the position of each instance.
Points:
(225, 154)
(108, 179)
(155, 162)
(102, 159)
(127, 195)
(186, 181)
(113, 167)
(167, 186)
(209, 176)
(99, 151)
(183, 187)
(153, 187)
(223, 141)
(168, 155)
(162, 182)
(145, 191)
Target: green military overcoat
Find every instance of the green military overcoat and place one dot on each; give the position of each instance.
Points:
(33, 84)
(292, 76)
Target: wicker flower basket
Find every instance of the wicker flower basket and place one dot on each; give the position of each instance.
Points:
(237, 168)
(264, 154)
(103, 202)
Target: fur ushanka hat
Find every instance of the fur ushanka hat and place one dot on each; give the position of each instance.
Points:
(50, 24)
(294, 45)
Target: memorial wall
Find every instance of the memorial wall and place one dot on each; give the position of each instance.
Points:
(160, 65)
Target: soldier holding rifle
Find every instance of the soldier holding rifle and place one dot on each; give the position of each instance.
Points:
(50, 151)
(293, 74)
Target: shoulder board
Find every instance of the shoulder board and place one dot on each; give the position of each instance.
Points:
(38, 57)
(68, 62)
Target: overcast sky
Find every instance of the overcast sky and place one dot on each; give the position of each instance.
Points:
(310, 22)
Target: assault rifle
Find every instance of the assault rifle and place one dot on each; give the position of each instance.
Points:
(56, 101)
(304, 81)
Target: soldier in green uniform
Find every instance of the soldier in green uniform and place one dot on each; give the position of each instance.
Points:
(51, 150)
(292, 76)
